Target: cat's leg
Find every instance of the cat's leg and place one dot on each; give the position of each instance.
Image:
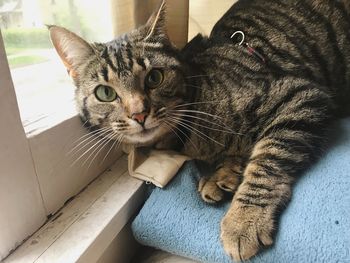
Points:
(251, 220)
(292, 131)
(226, 178)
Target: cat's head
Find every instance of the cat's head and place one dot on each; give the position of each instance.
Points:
(125, 87)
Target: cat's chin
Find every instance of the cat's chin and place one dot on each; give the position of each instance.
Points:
(145, 137)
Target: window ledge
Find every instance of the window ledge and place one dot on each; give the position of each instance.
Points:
(38, 124)
(83, 229)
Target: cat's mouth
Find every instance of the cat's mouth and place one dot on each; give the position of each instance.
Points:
(145, 136)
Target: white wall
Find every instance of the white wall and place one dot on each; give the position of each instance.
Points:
(205, 13)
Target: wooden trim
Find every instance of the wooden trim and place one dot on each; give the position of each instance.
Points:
(60, 176)
(84, 228)
(21, 204)
(127, 15)
(37, 175)
(205, 13)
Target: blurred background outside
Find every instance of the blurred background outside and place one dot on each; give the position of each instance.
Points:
(42, 85)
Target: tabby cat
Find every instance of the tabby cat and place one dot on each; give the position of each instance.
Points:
(254, 99)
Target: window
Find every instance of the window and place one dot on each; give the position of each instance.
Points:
(36, 174)
(40, 80)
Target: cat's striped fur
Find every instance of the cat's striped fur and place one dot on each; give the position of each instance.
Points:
(260, 123)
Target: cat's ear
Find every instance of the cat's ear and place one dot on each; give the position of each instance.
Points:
(156, 24)
(72, 49)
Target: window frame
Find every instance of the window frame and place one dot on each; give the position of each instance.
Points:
(21, 199)
(53, 184)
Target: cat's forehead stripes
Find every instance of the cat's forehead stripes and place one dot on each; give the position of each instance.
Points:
(104, 73)
(141, 62)
(107, 59)
(122, 60)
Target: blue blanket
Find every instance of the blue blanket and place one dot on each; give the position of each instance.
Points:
(314, 228)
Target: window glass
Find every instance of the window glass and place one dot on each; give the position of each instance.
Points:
(43, 88)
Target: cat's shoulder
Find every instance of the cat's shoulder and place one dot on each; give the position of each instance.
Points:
(196, 45)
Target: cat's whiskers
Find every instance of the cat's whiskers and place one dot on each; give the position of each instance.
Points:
(100, 148)
(90, 133)
(222, 126)
(197, 132)
(87, 151)
(177, 128)
(198, 112)
(88, 137)
(161, 113)
(193, 86)
(194, 103)
(177, 135)
(92, 141)
(99, 140)
(194, 130)
(85, 122)
(190, 114)
(200, 125)
(199, 76)
(67, 147)
(117, 142)
(85, 138)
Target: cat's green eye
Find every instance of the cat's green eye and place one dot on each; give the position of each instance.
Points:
(105, 93)
(154, 78)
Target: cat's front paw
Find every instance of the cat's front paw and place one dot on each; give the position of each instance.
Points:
(212, 188)
(244, 230)
(209, 190)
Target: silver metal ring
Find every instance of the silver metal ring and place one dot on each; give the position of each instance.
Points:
(243, 36)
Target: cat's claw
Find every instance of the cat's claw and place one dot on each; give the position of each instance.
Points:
(245, 231)
(209, 190)
(227, 186)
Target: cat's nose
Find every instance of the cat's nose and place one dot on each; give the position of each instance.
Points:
(140, 117)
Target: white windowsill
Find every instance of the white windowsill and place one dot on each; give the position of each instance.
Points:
(84, 228)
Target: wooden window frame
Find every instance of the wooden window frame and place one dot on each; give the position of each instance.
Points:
(44, 178)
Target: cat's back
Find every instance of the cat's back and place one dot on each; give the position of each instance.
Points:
(298, 11)
(300, 41)
(293, 32)
(303, 38)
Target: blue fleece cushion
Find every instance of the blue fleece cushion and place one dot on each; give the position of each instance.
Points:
(314, 228)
